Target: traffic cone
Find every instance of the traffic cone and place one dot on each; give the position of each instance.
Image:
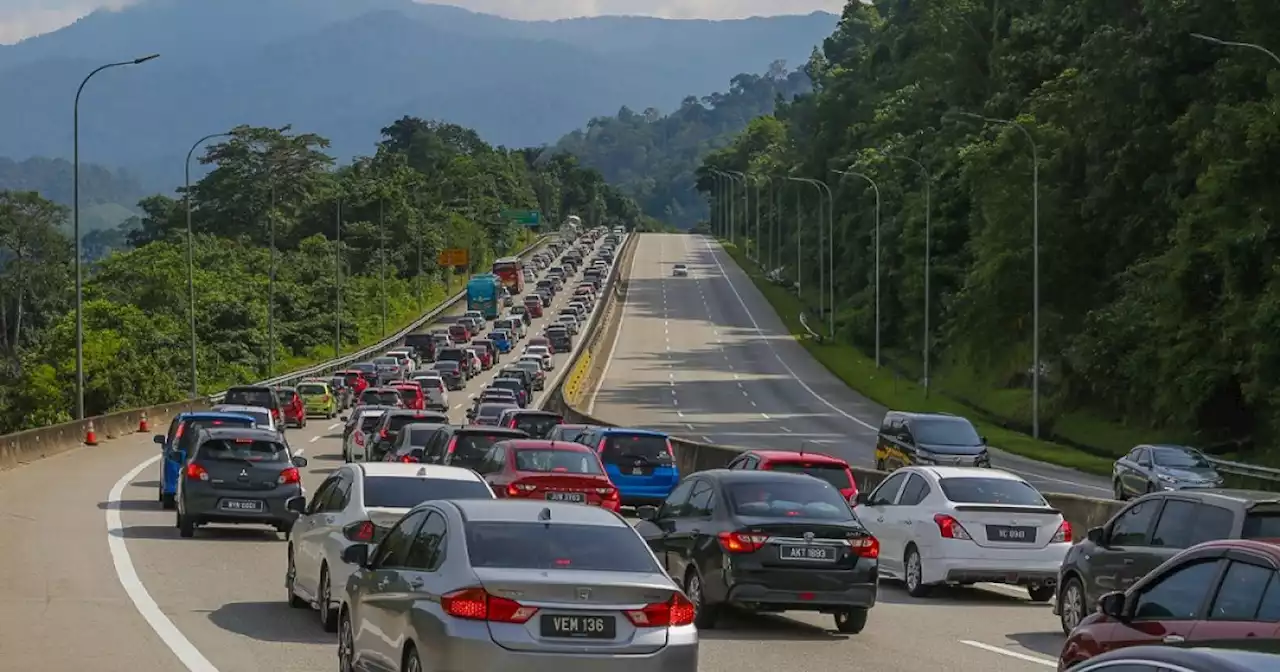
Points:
(90, 436)
(142, 423)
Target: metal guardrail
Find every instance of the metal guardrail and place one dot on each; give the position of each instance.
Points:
(1246, 470)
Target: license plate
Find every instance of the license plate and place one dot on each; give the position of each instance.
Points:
(637, 471)
(813, 553)
(241, 505)
(576, 497)
(1010, 533)
(579, 627)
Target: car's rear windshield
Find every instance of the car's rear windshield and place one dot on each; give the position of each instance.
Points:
(835, 474)
(627, 448)
(399, 420)
(978, 490)
(408, 393)
(191, 427)
(263, 398)
(312, 388)
(569, 433)
(493, 410)
(452, 355)
(788, 499)
(471, 447)
(239, 450)
(369, 422)
(419, 435)
(507, 384)
(1261, 525)
(351, 378)
(506, 545)
(550, 461)
(337, 382)
(536, 425)
(380, 398)
(401, 492)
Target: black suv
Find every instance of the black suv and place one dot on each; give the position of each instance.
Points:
(1151, 530)
(939, 439)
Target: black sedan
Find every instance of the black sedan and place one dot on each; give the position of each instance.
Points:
(765, 541)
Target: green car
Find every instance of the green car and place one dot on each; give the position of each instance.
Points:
(318, 399)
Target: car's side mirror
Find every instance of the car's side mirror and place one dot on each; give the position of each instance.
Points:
(299, 461)
(1097, 535)
(296, 504)
(859, 498)
(158, 439)
(356, 554)
(649, 513)
(1112, 605)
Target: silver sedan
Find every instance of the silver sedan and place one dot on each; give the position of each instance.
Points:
(495, 586)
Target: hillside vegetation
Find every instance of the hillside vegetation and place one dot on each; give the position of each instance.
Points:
(1159, 289)
(429, 186)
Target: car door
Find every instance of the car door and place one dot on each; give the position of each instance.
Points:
(1137, 476)
(874, 516)
(1112, 564)
(316, 523)
(1165, 610)
(910, 521)
(1245, 607)
(385, 587)
(1182, 523)
(655, 532)
(303, 555)
(417, 580)
(692, 526)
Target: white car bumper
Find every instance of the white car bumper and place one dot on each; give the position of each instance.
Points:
(995, 565)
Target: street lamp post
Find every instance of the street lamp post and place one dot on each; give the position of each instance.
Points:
(271, 285)
(337, 274)
(75, 225)
(1035, 262)
(875, 187)
(1245, 45)
(191, 273)
(823, 270)
(746, 202)
(928, 253)
(382, 254)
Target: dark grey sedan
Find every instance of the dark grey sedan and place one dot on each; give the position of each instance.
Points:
(1152, 468)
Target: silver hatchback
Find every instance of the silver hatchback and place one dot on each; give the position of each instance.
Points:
(501, 585)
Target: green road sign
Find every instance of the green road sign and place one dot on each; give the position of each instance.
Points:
(526, 217)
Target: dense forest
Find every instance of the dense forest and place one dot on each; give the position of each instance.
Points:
(1159, 300)
(429, 186)
(107, 197)
(653, 157)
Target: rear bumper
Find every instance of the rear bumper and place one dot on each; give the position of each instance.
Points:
(1036, 568)
(205, 507)
(830, 591)
(481, 654)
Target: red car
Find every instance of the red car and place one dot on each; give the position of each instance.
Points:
(533, 305)
(411, 396)
(459, 334)
(1214, 594)
(295, 413)
(830, 469)
(555, 471)
(486, 357)
(355, 380)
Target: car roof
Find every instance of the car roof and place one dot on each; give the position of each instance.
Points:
(242, 433)
(970, 472)
(233, 408)
(545, 444)
(536, 412)
(530, 511)
(610, 431)
(796, 455)
(413, 470)
(752, 476)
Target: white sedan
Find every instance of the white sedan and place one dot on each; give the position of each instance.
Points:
(680, 271)
(357, 504)
(965, 525)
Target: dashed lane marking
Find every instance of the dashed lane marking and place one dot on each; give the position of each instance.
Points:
(314, 439)
(334, 426)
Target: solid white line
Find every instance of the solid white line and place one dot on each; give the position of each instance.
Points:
(707, 439)
(1012, 654)
(608, 361)
(334, 426)
(173, 638)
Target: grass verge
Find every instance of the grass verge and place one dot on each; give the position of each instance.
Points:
(883, 386)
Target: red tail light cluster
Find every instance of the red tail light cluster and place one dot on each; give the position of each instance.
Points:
(362, 532)
(408, 459)
(517, 489)
(676, 611)
(738, 542)
(865, 547)
(288, 476)
(475, 604)
(1063, 535)
(196, 472)
(950, 528)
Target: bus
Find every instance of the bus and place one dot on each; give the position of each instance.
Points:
(482, 295)
(511, 270)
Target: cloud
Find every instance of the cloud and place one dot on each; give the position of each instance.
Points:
(20, 19)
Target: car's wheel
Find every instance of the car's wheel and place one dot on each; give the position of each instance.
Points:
(913, 576)
(851, 621)
(168, 502)
(186, 526)
(1071, 607)
(328, 615)
(1040, 593)
(290, 576)
(704, 615)
(346, 644)
(880, 465)
(411, 662)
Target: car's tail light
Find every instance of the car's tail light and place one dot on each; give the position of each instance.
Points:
(517, 489)
(608, 494)
(950, 528)
(738, 542)
(676, 611)
(326, 398)
(474, 604)
(196, 472)
(382, 433)
(360, 438)
(865, 546)
(1063, 535)
(363, 532)
(178, 435)
(275, 413)
(288, 476)
(453, 444)
(600, 447)
(408, 459)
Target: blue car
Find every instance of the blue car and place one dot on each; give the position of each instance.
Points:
(639, 462)
(175, 444)
(501, 339)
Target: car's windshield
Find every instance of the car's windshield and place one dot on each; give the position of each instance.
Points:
(1178, 458)
(471, 447)
(536, 424)
(488, 411)
(251, 397)
(406, 492)
(312, 389)
(370, 421)
(978, 490)
(835, 474)
(386, 360)
(627, 448)
(945, 432)
(381, 397)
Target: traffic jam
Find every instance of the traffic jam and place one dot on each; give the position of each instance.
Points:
(516, 540)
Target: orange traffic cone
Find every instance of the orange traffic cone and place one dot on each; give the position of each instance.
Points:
(90, 436)
(142, 423)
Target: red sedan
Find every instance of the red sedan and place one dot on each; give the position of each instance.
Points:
(555, 471)
(295, 413)
(819, 465)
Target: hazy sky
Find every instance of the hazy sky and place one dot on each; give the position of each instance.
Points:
(24, 18)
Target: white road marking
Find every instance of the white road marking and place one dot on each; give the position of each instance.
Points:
(707, 439)
(753, 404)
(1012, 654)
(768, 434)
(688, 425)
(680, 413)
(765, 416)
(314, 439)
(334, 426)
(785, 429)
(173, 638)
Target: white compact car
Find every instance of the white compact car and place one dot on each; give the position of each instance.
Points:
(680, 271)
(361, 423)
(357, 504)
(965, 525)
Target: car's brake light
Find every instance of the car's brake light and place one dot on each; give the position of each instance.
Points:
(362, 532)
(608, 494)
(950, 528)
(1063, 535)
(382, 433)
(197, 472)
(738, 542)
(865, 546)
(600, 448)
(181, 428)
(475, 604)
(288, 476)
(453, 443)
(517, 489)
(676, 611)
(408, 459)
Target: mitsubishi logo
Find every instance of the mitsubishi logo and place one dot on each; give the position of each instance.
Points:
(808, 536)
(244, 473)
(584, 594)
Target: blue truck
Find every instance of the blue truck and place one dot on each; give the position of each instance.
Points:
(482, 294)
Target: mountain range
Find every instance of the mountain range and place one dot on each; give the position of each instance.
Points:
(346, 68)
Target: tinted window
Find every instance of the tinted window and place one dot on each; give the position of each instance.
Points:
(240, 450)
(1184, 524)
(243, 397)
(396, 422)
(1179, 595)
(191, 427)
(915, 492)
(408, 394)
(394, 550)
(418, 436)
(558, 546)
(573, 434)
(557, 461)
(788, 499)
(403, 492)
(1261, 526)
(368, 423)
(536, 425)
(700, 500)
(1269, 610)
(626, 448)
(488, 411)
(675, 502)
(1178, 458)
(1130, 528)
(834, 474)
(1241, 592)
(379, 398)
(945, 432)
(884, 495)
(990, 491)
(386, 361)
(470, 449)
(312, 388)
